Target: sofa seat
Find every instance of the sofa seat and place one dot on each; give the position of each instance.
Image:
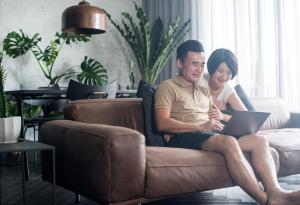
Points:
(171, 171)
(286, 141)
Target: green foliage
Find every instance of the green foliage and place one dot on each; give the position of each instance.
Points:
(92, 72)
(3, 103)
(17, 44)
(152, 47)
(29, 111)
(131, 76)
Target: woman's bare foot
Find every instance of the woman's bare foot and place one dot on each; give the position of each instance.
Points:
(284, 198)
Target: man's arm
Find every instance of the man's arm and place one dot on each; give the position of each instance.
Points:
(166, 124)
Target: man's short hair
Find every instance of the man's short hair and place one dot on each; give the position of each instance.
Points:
(187, 46)
(222, 55)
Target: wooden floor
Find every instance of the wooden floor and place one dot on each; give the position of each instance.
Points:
(38, 192)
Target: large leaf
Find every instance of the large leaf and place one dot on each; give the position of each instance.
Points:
(156, 37)
(71, 38)
(17, 44)
(92, 73)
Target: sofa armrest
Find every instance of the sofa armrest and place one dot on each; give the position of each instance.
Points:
(294, 120)
(105, 163)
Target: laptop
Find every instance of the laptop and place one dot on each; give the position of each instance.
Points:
(244, 122)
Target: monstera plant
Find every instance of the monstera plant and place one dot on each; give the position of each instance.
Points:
(18, 43)
(152, 47)
(92, 72)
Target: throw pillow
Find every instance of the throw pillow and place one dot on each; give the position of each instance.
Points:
(153, 136)
(244, 97)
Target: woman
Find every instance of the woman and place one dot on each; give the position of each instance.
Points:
(222, 67)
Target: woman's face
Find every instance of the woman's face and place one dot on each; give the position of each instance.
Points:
(221, 76)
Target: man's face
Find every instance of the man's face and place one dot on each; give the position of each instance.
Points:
(192, 66)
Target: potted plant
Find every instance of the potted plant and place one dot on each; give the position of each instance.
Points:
(95, 75)
(17, 44)
(10, 127)
(152, 47)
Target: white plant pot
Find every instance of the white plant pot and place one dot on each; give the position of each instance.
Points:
(10, 128)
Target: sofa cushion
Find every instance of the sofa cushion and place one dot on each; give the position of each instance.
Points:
(244, 97)
(153, 136)
(287, 143)
(172, 171)
(124, 112)
(280, 116)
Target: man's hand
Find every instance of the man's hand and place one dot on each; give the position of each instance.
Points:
(212, 124)
(215, 113)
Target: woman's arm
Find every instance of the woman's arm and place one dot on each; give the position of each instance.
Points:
(215, 113)
(236, 103)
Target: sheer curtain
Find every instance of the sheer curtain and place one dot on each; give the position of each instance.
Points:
(262, 33)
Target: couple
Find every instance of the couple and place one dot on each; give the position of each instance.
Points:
(191, 111)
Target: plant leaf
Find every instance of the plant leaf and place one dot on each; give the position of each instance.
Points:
(71, 38)
(17, 44)
(92, 72)
(3, 103)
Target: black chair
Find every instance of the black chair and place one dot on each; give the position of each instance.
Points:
(52, 109)
(77, 91)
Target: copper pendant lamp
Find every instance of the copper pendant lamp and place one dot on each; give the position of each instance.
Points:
(84, 19)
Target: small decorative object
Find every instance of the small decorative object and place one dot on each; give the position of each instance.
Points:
(10, 127)
(17, 44)
(84, 19)
(152, 47)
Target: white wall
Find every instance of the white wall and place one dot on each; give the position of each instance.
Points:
(44, 17)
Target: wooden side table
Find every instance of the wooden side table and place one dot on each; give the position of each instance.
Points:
(23, 147)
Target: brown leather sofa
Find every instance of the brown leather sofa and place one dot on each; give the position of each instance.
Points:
(101, 153)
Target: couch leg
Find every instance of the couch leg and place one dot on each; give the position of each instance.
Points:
(77, 198)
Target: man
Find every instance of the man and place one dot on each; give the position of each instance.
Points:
(181, 109)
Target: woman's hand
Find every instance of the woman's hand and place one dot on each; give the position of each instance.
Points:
(220, 104)
(210, 125)
(215, 113)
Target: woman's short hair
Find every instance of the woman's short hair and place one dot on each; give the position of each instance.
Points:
(222, 55)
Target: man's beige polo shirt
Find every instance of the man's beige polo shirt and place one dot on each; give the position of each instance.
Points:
(187, 104)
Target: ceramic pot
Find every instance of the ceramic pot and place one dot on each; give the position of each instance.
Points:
(10, 128)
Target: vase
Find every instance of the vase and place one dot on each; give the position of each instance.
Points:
(10, 128)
